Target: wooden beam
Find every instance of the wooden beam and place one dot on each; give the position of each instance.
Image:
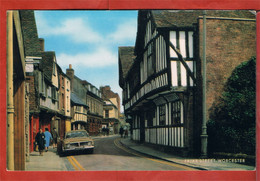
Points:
(183, 62)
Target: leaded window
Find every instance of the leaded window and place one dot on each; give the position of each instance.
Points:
(176, 112)
(162, 115)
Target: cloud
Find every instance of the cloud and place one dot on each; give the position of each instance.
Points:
(100, 58)
(124, 31)
(77, 29)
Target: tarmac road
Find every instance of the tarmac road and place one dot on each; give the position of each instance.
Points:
(110, 155)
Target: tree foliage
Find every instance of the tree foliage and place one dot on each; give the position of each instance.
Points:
(232, 122)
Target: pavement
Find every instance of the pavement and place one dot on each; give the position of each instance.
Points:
(51, 161)
(201, 164)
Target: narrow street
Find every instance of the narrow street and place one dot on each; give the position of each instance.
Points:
(110, 155)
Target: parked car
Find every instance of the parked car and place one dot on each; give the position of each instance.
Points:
(77, 140)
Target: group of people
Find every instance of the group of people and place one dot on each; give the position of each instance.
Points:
(123, 132)
(43, 139)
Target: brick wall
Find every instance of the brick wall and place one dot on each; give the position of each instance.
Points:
(229, 43)
(32, 94)
(108, 93)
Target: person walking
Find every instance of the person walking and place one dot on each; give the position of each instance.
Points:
(121, 132)
(48, 138)
(40, 141)
(54, 137)
(126, 133)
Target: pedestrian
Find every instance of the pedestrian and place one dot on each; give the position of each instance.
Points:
(104, 131)
(107, 131)
(48, 138)
(126, 133)
(121, 132)
(54, 137)
(40, 141)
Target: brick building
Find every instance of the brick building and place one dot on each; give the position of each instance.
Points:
(161, 76)
(107, 93)
(111, 111)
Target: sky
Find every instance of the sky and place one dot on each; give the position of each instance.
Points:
(88, 40)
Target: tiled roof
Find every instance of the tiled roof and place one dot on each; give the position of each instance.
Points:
(181, 19)
(46, 63)
(126, 59)
(30, 35)
(76, 100)
(186, 18)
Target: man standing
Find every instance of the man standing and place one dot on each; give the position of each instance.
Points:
(54, 137)
(40, 141)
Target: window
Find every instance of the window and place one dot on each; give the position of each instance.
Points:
(85, 110)
(53, 93)
(78, 108)
(68, 101)
(106, 113)
(162, 117)
(176, 113)
(43, 89)
(62, 100)
(54, 69)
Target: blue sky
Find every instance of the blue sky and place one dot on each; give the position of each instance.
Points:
(88, 40)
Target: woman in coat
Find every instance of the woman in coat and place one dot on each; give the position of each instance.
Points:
(40, 141)
(48, 138)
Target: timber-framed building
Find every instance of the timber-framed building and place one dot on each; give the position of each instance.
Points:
(161, 76)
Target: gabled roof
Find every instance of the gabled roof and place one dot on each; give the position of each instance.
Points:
(30, 34)
(126, 60)
(76, 100)
(61, 72)
(46, 63)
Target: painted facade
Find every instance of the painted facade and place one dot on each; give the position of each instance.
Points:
(64, 103)
(110, 116)
(161, 75)
(89, 98)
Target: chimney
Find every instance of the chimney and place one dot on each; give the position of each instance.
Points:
(41, 40)
(70, 74)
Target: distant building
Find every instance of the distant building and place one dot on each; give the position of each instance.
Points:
(64, 103)
(107, 93)
(85, 100)
(110, 114)
(161, 76)
(95, 104)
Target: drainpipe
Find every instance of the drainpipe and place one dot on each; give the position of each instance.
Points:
(204, 136)
(10, 102)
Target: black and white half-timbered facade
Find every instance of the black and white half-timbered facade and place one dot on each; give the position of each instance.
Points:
(158, 89)
(159, 80)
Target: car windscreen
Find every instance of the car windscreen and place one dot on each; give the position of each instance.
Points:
(76, 134)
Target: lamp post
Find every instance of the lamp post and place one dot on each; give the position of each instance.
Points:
(204, 136)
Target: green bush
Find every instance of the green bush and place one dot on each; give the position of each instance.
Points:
(232, 122)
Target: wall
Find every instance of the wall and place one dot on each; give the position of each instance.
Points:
(229, 43)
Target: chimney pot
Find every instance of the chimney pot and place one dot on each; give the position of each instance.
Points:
(70, 66)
